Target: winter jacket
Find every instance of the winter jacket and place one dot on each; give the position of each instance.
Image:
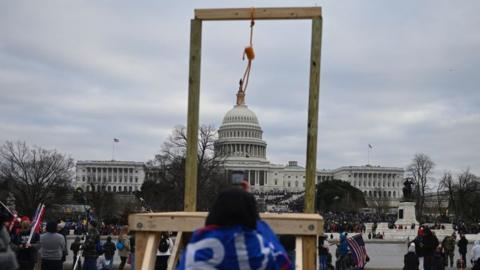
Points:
(8, 260)
(53, 246)
(125, 251)
(26, 254)
(462, 245)
(430, 243)
(410, 261)
(109, 249)
(448, 244)
(438, 261)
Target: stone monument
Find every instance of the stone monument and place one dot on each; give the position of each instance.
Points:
(406, 208)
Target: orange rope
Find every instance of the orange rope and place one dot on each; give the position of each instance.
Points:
(250, 53)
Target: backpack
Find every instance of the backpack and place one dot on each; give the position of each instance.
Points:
(163, 246)
(120, 245)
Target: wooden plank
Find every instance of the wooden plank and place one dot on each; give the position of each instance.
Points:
(259, 13)
(298, 252)
(190, 195)
(150, 253)
(175, 256)
(309, 252)
(293, 224)
(140, 247)
(312, 125)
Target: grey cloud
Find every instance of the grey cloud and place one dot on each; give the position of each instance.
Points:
(401, 76)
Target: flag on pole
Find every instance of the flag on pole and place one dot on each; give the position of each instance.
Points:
(370, 146)
(357, 246)
(37, 223)
(115, 140)
(37, 212)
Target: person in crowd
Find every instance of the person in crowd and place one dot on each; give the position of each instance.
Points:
(419, 242)
(344, 259)
(163, 252)
(91, 248)
(75, 248)
(462, 247)
(430, 243)
(103, 263)
(410, 260)
(26, 252)
(324, 256)
(131, 257)
(63, 231)
(109, 251)
(476, 255)
(288, 242)
(448, 245)
(123, 246)
(438, 259)
(8, 260)
(234, 236)
(52, 247)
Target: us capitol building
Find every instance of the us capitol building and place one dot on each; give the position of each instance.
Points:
(240, 142)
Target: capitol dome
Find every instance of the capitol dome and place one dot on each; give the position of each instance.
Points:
(240, 114)
(240, 135)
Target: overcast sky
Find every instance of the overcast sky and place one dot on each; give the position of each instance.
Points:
(402, 76)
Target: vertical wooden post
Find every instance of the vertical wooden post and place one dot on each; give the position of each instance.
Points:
(312, 131)
(309, 243)
(141, 243)
(190, 200)
(151, 246)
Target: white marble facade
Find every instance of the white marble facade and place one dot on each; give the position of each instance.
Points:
(113, 176)
(240, 140)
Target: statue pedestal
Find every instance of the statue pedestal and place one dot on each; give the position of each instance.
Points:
(406, 214)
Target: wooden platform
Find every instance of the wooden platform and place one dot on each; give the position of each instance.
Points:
(148, 226)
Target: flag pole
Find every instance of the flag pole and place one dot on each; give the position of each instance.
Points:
(36, 223)
(6, 208)
(113, 149)
(368, 150)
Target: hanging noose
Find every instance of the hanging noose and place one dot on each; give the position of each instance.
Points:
(250, 53)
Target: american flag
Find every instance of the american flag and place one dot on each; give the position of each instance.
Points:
(37, 221)
(357, 246)
(37, 213)
(115, 140)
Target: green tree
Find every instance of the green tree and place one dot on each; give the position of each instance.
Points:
(338, 195)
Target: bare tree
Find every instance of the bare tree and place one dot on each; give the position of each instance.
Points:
(420, 170)
(447, 184)
(166, 192)
(467, 196)
(35, 174)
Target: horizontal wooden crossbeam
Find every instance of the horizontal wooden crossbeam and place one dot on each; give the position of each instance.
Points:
(258, 13)
(292, 224)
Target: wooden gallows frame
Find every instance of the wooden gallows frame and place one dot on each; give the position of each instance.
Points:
(306, 227)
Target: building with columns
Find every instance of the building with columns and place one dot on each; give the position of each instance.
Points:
(240, 141)
(112, 176)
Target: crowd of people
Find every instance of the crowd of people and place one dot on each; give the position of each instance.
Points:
(438, 255)
(48, 249)
(352, 221)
